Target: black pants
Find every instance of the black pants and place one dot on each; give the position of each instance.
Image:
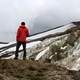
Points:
(17, 49)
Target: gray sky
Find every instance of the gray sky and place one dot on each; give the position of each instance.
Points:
(37, 14)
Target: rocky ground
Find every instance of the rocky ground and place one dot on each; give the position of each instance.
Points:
(33, 70)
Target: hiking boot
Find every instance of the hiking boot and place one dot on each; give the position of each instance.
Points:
(16, 58)
(24, 58)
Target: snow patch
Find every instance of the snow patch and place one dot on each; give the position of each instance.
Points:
(41, 53)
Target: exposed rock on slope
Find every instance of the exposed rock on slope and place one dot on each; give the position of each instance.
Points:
(63, 50)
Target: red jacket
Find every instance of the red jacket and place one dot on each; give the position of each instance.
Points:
(22, 34)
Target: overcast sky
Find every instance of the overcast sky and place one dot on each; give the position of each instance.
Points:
(49, 13)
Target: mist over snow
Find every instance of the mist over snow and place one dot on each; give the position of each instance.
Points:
(39, 15)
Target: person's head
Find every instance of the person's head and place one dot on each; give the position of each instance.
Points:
(22, 23)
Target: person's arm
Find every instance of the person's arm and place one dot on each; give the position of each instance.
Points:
(18, 34)
(27, 32)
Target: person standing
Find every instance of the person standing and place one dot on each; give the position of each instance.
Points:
(22, 34)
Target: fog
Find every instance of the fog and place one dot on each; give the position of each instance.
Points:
(39, 15)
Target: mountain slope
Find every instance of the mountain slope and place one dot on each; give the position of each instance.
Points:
(60, 46)
(55, 57)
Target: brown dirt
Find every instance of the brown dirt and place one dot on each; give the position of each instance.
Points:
(33, 70)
